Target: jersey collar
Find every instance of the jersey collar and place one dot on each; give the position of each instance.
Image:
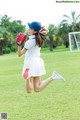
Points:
(32, 36)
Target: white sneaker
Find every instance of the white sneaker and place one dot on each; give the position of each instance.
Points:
(57, 76)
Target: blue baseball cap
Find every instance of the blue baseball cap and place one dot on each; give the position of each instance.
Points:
(35, 25)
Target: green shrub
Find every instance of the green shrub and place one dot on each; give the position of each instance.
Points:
(13, 48)
(6, 51)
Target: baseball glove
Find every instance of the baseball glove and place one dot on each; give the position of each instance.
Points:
(21, 38)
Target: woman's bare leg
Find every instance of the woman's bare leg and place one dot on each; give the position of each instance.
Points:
(39, 85)
(29, 85)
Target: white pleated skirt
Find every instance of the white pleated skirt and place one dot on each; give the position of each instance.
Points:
(33, 66)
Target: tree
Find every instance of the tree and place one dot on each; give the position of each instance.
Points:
(50, 37)
(3, 39)
(9, 30)
(71, 22)
(63, 33)
(16, 27)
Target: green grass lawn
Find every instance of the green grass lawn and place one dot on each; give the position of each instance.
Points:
(58, 101)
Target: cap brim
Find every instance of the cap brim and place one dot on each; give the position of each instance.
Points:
(30, 26)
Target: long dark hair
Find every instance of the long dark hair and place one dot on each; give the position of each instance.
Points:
(39, 39)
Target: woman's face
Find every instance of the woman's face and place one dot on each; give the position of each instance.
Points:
(31, 31)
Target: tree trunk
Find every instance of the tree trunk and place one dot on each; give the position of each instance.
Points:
(51, 46)
(1, 52)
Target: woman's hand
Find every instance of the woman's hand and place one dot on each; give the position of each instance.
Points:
(44, 31)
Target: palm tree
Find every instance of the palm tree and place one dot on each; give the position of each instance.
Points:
(63, 33)
(72, 21)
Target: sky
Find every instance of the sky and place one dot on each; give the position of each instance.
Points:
(44, 11)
